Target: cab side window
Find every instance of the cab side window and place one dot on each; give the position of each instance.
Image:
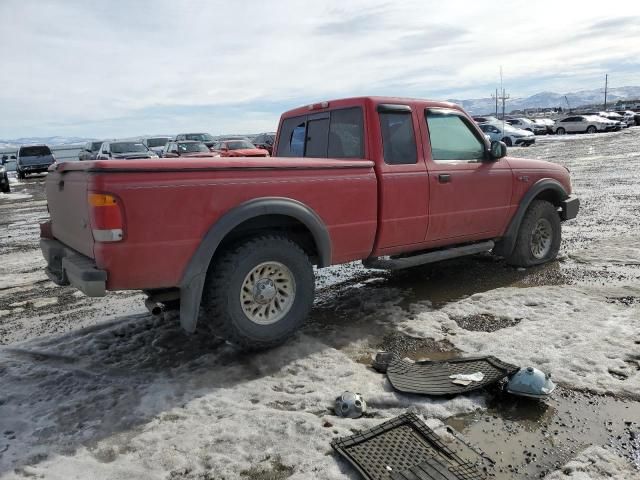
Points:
(452, 138)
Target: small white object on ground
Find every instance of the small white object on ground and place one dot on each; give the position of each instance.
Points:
(466, 378)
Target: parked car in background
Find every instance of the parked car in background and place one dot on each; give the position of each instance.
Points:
(526, 124)
(205, 138)
(547, 123)
(238, 148)
(127, 150)
(509, 135)
(583, 124)
(5, 187)
(187, 148)
(616, 117)
(485, 119)
(156, 144)
(90, 150)
(265, 141)
(33, 159)
(627, 116)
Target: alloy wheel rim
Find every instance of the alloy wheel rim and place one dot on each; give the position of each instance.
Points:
(541, 238)
(267, 293)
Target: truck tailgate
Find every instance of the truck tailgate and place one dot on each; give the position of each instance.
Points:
(69, 209)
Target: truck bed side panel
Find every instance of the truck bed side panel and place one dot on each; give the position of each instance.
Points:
(168, 214)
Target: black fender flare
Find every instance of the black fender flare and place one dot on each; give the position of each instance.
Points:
(196, 271)
(507, 243)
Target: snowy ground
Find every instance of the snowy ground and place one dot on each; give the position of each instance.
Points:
(97, 388)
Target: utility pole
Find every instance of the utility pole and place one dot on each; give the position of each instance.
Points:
(606, 84)
(496, 97)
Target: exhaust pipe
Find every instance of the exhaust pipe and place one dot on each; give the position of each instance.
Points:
(155, 308)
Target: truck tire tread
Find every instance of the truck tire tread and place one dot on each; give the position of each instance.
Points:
(223, 276)
(521, 255)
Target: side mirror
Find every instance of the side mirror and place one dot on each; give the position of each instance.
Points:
(498, 150)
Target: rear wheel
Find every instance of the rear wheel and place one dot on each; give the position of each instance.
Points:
(258, 293)
(539, 236)
(507, 141)
(591, 129)
(560, 131)
(5, 188)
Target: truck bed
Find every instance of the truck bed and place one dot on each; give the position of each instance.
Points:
(169, 205)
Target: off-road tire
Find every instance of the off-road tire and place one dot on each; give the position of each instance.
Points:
(522, 255)
(221, 306)
(560, 131)
(20, 174)
(507, 141)
(5, 188)
(591, 129)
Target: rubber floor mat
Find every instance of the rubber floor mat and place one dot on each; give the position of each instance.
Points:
(404, 448)
(432, 378)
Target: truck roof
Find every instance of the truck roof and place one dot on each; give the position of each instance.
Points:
(344, 102)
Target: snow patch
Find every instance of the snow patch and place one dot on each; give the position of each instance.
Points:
(616, 251)
(595, 463)
(572, 333)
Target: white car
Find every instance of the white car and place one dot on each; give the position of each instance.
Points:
(546, 123)
(526, 124)
(509, 135)
(628, 117)
(583, 124)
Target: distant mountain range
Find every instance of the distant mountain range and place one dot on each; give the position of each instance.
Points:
(473, 106)
(551, 99)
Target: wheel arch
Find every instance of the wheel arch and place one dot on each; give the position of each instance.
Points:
(250, 217)
(546, 189)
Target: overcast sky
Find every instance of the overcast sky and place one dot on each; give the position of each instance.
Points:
(126, 67)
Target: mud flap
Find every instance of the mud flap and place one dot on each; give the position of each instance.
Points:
(404, 448)
(433, 378)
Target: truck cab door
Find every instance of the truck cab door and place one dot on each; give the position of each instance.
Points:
(469, 194)
(403, 183)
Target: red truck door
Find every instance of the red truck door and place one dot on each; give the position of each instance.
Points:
(469, 195)
(403, 182)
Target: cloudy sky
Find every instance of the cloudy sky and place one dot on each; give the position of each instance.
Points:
(133, 67)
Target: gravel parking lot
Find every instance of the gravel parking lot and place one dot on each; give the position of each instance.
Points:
(101, 388)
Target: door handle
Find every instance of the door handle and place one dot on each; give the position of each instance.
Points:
(444, 178)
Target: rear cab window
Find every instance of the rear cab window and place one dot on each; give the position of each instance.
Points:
(336, 133)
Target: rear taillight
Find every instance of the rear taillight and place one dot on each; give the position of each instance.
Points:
(107, 221)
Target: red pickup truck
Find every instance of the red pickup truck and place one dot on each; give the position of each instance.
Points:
(232, 242)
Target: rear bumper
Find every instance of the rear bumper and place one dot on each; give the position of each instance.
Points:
(570, 208)
(65, 266)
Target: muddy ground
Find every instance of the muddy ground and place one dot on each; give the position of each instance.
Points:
(87, 382)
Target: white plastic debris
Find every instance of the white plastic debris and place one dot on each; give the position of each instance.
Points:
(465, 379)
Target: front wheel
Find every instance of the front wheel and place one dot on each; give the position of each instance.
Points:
(560, 131)
(539, 236)
(507, 141)
(258, 293)
(20, 174)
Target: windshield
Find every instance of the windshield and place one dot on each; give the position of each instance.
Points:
(239, 145)
(128, 147)
(95, 146)
(200, 137)
(157, 142)
(34, 151)
(192, 147)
